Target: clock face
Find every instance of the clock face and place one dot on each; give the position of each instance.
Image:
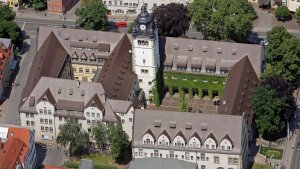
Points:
(142, 27)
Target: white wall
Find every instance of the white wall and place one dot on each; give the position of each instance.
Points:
(127, 122)
(293, 5)
(191, 156)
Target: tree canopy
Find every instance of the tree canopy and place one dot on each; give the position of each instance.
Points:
(267, 106)
(6, 13)
(38, 4)
(172, 19)
(218, 20)
(92, 16)
(283, 11)
(119, 142)
(285, 90)
(283, 55)
(8, 28)
(182, 106)
(71, 134)
(99, 134)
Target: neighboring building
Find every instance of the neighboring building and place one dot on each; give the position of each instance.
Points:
(132, 7)
(60, 6)
(293, 5)
(18, 149)
(192, 137)
(53, 100)
(161, 163)
(7, 65)
(240, 85)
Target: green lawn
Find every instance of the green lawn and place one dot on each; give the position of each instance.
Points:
(197, 82)
(261, 166)
(100, 162)
(270, 151)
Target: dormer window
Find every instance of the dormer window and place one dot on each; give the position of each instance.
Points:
(143, 43)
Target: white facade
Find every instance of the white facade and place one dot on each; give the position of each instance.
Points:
(132, 7)
(293, 5)
(127, 121)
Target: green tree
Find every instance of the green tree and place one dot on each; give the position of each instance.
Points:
(297, 15)
(38, 4)
(275, 38)
(267, 106)
(72, 134)
(182, 106)
(219, 20)
(119, 142)
(283, 11)
(6, 13)
(10, 30)
(99, 134)
(172, 19)
(131, 26)
(92, 16)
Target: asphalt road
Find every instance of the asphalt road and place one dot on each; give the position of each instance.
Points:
(296, 154)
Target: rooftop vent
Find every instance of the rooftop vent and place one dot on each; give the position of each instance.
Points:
(172, 125)
(233, 51)
(94, 40)
(190, 48)
(82, 92)
(80, 38)
(188, 126)
(67, 37)
(219, 50)
(204, 49)
(176, 46)
(59, 90)
(157, 124)
(70, 91)
(203, 127)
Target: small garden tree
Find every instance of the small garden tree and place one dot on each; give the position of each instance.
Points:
(297, 15)
(283, 11)
(182, 106)
(131, 26)
(119, 142)
(99, 134)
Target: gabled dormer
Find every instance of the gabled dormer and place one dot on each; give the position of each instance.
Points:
(179, 140)
(95, 102)
(148, 137)
(48, 97)
(195, 141)
(164, 139)
(226, 143)
(211, 142)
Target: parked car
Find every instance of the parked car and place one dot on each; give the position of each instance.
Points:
(121, 24)
(298, 147)
(41, 145)
(283, 18)
(112, 26)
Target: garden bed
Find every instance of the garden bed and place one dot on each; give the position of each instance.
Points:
(271, 152)
(100, 162)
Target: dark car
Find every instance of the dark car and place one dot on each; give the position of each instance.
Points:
(41, 145)
(112, 26)
(283, 18)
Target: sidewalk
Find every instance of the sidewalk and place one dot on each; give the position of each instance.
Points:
(288, 151)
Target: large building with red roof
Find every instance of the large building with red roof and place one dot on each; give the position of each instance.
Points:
(17, 148)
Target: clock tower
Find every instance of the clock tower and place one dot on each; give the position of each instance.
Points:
(145, 51)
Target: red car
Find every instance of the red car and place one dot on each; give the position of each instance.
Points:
(121, 24)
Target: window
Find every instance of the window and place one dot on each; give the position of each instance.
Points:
(109, 2)
(93, 114)
(192, 158)
(88, 114)
(42, 121)
(150, 83)
(93, 122)
(123, 121)
(42, 128)
(60, 119)
(58, 8)
(31, 115)
(182, 157)
(98, 115)
(93, 70)
(141, 80)
(46, 129)
(27, 115)
(80, 70)
(155, 153)
(187, 155)
(236, 161)
(49, 112)
(203, 167)
(45, 112)
(46, 121)
(213, 146)
(130, 119)
(171, 154)
(207, 158)
(32, 123)
(88, 122)
(27, 123)
(144, 71)
(50, 121)
(140, 152)
(41, 111)
(51, 129)
(216, 160)
(87, 70)
(116, 2)
(202, 157)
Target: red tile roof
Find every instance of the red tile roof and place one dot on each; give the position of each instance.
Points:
(11, 152)
(24, 135)
(53, 167)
